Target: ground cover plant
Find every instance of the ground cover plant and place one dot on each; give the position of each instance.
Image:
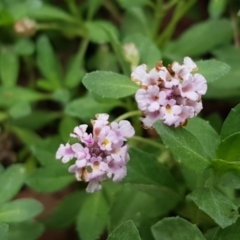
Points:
(119, 119)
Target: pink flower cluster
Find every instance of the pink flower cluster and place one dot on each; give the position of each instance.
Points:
(171, 94)
(101, 155)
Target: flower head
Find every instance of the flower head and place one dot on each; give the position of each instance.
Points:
(100, 155)
(171, 94)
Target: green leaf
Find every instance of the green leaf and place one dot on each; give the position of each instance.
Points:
(137, 20)
(66, 211)
(118, 50)
(66, 127)
(212, 70)
(230, 179)
(184, 146)
(222, 166)
(6, 18)
(9, 67)
(229, 233)
(193, 180)
(149, 52)
(50, 179)
(45, 151)
(11, 96)
(26, 136)
(93, 217)
(61, 95)
(104, 59)
(134, 3)
(87, 107)
(20, 210)
(210, 201)
(229, 149)
(98, 31)
(47, 61)
(109, 84)
(216, 8)
(75, 72)
(36, 120)
(20, 109)
(28, 230)
(176, 228)
(228, 86)
(140, 206)
(127, 230)
(24, 47)
(48, 12)
(190, 42)
(148, 175)
(1, 169)
(93, 6)
(11, 182)
(4, 231)
(205, 134)
(231, 123)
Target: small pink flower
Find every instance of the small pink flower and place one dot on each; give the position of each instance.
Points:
(80, 151)
(123, 129)
(171, 114)
(193, 87)
(100, 155)
(93, 186)
(65, 153)
(119, 155)
(117, 172)
(186, 113)
(148, 100)
(97, 167)
(80, 133)
(174, 96)
(151, 118)
(168, 80)
(141, 99)
(107, 139)
(184, 71)
(141, 76)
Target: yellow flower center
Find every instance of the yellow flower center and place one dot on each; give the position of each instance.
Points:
(168, 109)
(105, 142)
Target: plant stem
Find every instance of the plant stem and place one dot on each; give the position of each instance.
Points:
(158, 14)
(127, 115)
(82, 50)
(114, 11)
(148, 141)
(77, 31)
(234, 20)
(181, 8)
(73, 8)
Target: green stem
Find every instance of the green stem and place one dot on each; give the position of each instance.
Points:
(148, 141)
(181, 8)
(51, 26)
(159, 14)
(170, 4)
(113, 11)
(234, 20)
(82, 50)
(127, 115)
(72, 6)
(131, 107)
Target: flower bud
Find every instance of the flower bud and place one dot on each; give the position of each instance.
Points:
(131, 54)
(25, 27)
